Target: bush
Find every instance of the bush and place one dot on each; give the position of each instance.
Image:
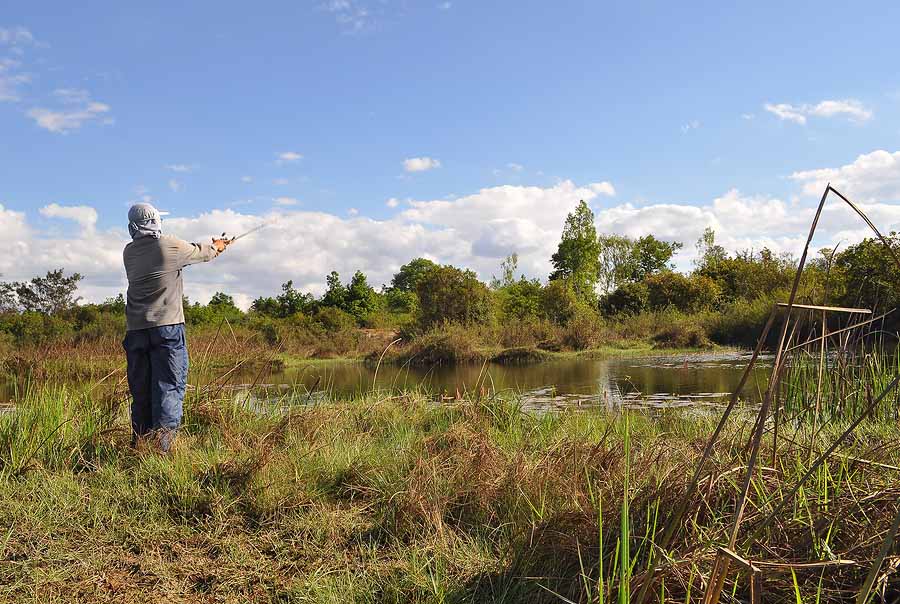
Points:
(559, 302)
(583, 331)
(741, 322)
(682, 334)
(526, 333)
(334, 319)
(687, 294)
(445, 344)
(627, 299)
(448, 294)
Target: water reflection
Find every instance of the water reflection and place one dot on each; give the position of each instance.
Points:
(645, 381)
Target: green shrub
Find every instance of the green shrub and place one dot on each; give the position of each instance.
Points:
(687, 333)
(687, 294)
(447, 343)
(559, 302)
(448, 294)
(627, 299)
(739, 323)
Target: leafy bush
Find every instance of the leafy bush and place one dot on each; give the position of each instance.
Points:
(448, 294)
(627, 299)
(684, 334)
(447, 343)
(687, 294)
(559, 301)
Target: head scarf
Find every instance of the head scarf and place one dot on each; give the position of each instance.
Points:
(144, 221)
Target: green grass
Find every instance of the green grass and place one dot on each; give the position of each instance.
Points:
(396, 499)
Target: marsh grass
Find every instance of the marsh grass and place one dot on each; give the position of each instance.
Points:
(397, 499)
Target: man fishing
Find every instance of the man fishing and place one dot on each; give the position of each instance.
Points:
(154, 342)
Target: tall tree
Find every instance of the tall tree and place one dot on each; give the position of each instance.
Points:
(577, 259)
(652, 255)
(616, 261)
(410, 273)
(508, 269)
(50, 294)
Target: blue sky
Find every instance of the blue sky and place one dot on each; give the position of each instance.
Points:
(482, 121)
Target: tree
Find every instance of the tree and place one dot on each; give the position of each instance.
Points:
(407, 278)
(709, 255)
(447, 293)
(616, 261)
(360, 300)
(508, 269)
(336, 294)
(52, 294)
(559, 302)
(288, 303)
(688, 294)
(651, 255)
(577, 257)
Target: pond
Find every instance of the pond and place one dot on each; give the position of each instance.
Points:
(635, 381)
(638, 381)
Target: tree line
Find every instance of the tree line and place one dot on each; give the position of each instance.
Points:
(595, 277)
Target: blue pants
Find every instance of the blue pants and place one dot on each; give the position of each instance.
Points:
(157, 377)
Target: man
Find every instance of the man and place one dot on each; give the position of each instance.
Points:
(155, 342)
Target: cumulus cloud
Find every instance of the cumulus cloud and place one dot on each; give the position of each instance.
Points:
(183, 168)
(86, 216)
(420, 164)
(78, 109)
(691, 125)
(872, 176)
(393, 202)
(515, 167)
(475, 231)
(851, 108)
(603, 188)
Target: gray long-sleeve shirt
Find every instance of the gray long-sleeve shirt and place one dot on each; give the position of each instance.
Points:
(155, 288)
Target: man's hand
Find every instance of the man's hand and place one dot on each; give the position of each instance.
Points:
(220, 244)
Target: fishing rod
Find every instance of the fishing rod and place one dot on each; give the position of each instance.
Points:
(244, 234)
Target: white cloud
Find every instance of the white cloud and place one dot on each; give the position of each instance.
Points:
(353, 212)
(86, 216)
(691, 125)
(475, 231)
(174, 185)
(287, 157)
(603, 188)
(393, 202)
(246, 179)
(78, 109)
(445, 5)
(748, 116)
(872, 176)
(515, 167)
(851, 108)
(286, 201)
(183, 168)
(420, 164)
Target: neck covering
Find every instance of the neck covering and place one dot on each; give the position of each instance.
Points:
(144, 221)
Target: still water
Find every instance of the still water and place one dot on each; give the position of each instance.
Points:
(646, 381)
(634, 381)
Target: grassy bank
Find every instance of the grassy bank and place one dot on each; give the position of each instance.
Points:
(399, 500)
